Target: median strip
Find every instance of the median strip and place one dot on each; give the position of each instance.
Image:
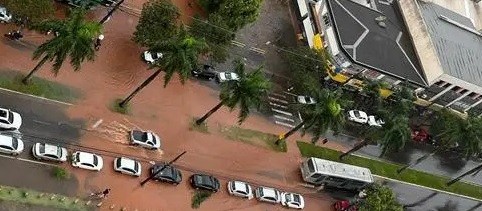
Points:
(389, 170)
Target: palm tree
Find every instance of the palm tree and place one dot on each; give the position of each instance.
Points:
(247, 92)
(325, 114)
(442, 118)
(179, 55)
(75, 39)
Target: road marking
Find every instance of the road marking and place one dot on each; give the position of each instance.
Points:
(27, 160)
(284, 118)
(284, 124)
(96, 124)
(257, 50)
(289, 93)
(282, 112)
(278, 100)
(34, 96)
(41, 122)
(239, 44)
(278, 95)
(277, 105)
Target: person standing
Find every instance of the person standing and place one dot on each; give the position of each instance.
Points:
(97, 42)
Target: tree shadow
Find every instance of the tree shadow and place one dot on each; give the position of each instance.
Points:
(448, 206)
(450, 162)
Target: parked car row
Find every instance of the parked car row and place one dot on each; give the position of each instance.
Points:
(362, 118)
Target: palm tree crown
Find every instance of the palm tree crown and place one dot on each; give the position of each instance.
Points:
(75, 38)
(179, 55)
(466, 132)
(247, 92)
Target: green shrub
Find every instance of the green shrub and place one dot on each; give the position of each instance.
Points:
(199, 197)
(60, 173)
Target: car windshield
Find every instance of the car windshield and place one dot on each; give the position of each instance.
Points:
(59, 152)
(154, 141)
(136, 166)
(77, 157)
(3, 113)
(14, 143)
(233, 187)
(10, 117)
(118, 163)
(288, 197)
(296, 198)
(42, 148)
(154, 56)
(144, 136)
(96, 161)
(311, 167)
(228, 76)
(357, 114)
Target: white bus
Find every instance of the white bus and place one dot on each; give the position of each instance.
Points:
(339, 175)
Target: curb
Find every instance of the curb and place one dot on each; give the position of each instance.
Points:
(35, 96)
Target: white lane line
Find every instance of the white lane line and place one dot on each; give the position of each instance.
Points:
(278, 95)
(278, 105)
(284, 124)
(34, 96)
(284, 118)
(41, 122)
(27, 160)
(278, 100)
(282, 112)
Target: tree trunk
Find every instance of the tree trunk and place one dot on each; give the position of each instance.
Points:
(289, 133)
(144, 84)
(477, 168)
(109, 14)
(209, 113)
(419, 160)
(34, 70)
(354, 149)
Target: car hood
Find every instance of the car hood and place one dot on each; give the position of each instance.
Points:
(20, 145)
(101, 163)
(17, 120)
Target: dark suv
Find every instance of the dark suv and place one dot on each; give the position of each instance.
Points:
(205, 72)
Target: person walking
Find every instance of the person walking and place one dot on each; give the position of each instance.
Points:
(105, 193)
(97, 43)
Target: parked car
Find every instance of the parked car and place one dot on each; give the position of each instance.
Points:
(85, 160)
(266, 194)
(206, 72)
(151, 57)
(9, 120)
(373, 121)
(145, 139)
(44, 151)
(226, 76)
(345, 205)
(358, 116)
(5, 16)
(305, 100)
(241, 189)
(206, 182)
(292, 200)
(10, 145)
(169, 174)
(127, 166)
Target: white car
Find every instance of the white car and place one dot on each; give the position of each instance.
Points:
(10, 145)
(151, 57)
(266, 194)
(305, 100)
(358, 116)
(127, 166)
(292, 200)
(226, 76)
(145, 139)
(5, 16)
(10, 120)
(85, 160)
(49, 152)
(373, 121)
(241, 189)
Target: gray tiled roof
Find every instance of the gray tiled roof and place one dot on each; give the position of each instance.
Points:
(459, 50)
(388, 50)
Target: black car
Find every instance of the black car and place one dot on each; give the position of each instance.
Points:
(206, 182)
(169, 174)
(205, 72)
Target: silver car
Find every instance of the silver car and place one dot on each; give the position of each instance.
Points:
(44, 151)
(127, 166)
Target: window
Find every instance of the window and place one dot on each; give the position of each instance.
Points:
(5, 147)
(95, 160)
(88, 164)
(446, 85)
(51, 156)
(440, 83)
(456, 88)
(3, 121)
(311, 167)
(10, 117)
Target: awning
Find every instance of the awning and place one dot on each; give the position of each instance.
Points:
(330, 36)
(302, 8)
(309, 33)
(337, 76)
(317, 42)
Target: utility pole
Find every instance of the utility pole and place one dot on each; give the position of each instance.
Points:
(160, 170)
(109, 14)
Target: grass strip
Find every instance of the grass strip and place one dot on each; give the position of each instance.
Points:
(203, 127)
(253, 137)
(389, 170)
(30, 197)
(38, 86)
(199, 197)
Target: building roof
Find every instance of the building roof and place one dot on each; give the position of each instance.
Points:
(457, 43)
(386, 49)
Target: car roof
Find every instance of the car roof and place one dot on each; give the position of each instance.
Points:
(269, 191)
(50, 149)
(86, 157)
(240, 186)
(127, 162)
(5, 140)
